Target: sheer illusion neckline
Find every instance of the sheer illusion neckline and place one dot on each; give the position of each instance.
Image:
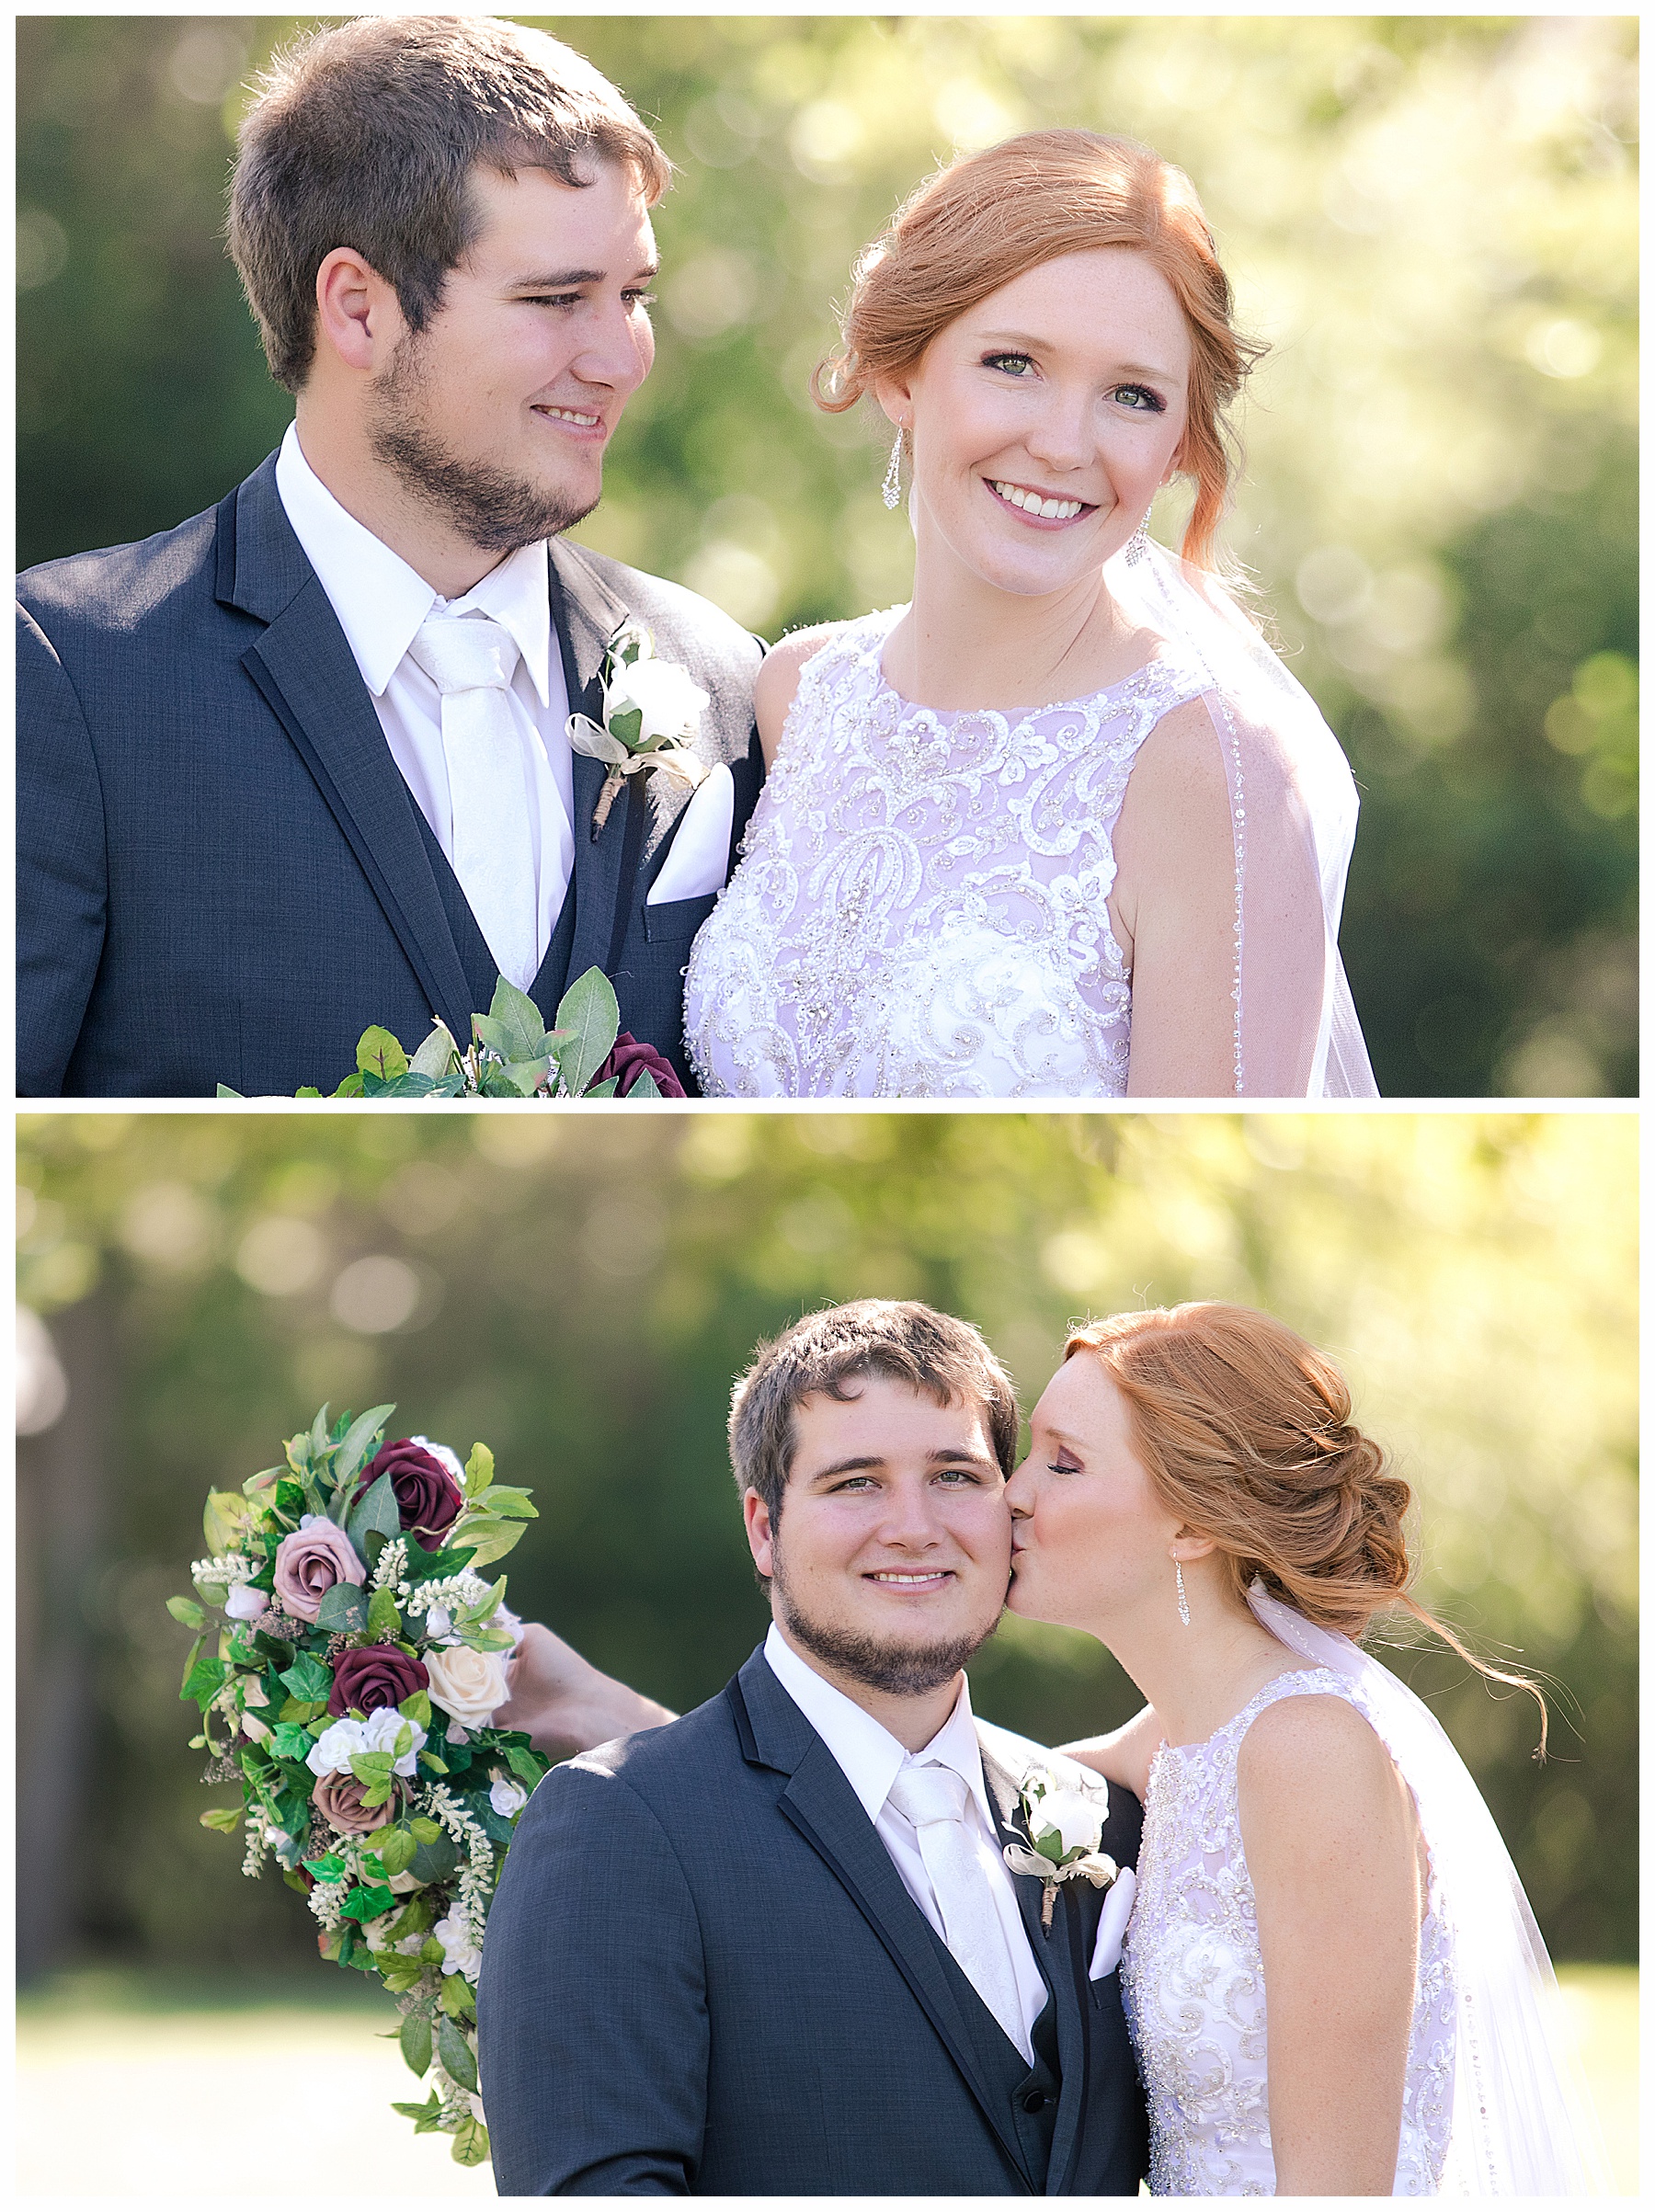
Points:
(1162, 658)
(1247, 1712)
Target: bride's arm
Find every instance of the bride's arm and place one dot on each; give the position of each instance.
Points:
(1124, 1754)
(563, 1704)
(1329, 1832)
(778, 679)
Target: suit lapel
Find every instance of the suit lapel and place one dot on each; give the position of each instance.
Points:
(1059, 1958)
(585, 615)
(307, 675)
(821, 1806)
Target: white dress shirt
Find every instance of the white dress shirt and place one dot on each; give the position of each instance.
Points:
(380, 602)
(871, 1759)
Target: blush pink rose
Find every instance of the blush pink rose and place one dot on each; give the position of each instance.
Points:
(309, 1563)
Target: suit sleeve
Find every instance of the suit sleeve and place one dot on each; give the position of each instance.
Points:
(592, 2005)
(62, 875)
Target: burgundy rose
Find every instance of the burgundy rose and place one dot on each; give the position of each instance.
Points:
(629, 1060)
(427, 1498)
(373, 1675)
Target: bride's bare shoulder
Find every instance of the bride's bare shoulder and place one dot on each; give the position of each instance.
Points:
(778, 679)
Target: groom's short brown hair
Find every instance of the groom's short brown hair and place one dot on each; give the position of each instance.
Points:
(366, 136)
(945, 1359)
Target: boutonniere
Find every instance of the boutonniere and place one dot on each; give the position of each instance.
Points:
(1065, 1826)
(651, 710)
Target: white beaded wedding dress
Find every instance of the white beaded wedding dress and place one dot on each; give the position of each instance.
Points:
(920, 910)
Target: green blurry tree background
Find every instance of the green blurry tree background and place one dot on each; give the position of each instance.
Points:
(1430, 219)
(578, 1290)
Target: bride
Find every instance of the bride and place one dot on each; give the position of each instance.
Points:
(1198, 1498)
(1063, 826)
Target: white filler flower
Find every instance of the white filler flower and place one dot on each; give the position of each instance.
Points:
(507, 1797)
(460, 1953)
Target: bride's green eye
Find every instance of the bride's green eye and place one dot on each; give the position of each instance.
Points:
(1012, 363)
(1141, 399)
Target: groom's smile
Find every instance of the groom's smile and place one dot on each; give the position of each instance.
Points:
(889, 1558)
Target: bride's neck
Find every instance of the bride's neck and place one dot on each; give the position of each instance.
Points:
(966, 644)
(1196, 1677)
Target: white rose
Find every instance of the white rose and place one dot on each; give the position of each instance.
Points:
(507, 1797)
(439, 1621)
(1075, 1816)
(667, 697)
(469, 1685)
(459, 1954)
(331, 1752)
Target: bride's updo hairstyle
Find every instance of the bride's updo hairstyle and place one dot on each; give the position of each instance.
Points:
(1245, 1431)
(992, 216)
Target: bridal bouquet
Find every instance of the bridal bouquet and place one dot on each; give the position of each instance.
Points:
(349, 1657)
(513, 1054)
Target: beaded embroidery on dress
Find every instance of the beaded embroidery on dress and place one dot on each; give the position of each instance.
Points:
(1192, 1983)
(920, 911)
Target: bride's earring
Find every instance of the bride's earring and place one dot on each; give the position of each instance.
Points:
(1137, 549)
(1183, 1602)
(891, 489)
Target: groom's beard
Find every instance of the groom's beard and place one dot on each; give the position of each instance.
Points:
(899, 1670)
(487, 506)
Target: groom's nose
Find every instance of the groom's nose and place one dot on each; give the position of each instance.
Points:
(617, 349)
(910, 1518)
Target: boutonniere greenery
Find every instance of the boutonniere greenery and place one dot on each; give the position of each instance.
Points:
(1064, 1826)
(651, 711)
(513, 1054)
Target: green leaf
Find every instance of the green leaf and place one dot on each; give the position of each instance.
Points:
(455, 2053)
(379, 1053)
(343, 1608)
(224, 1091)
(471, 2142)
(203, 1681)
(590, 1011)
(224, 1819)
(427, 1758)
(438, 1054)
(424, 1830)
(289, 1741)
(457, 1997)
(502, 1498)
(393, 1848)
(425, 2117)
(307, 1678)
(418, 1709)
(376, 1511)
(430, 1567)
(186, 1611)
(416, 2039)
(354, 1446)
(326, 1869)
(366, 1902)
(372, 1766)
(645, 1085)
(479, 1470)
(485, 1607)
(307, 1091)
(409, 1085)
(487, 1538)
(225, 1517)
(351, 1088)
(628, 726)
(512, 1026)
(525, 1765)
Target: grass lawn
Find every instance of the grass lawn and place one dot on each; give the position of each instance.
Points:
(134, 2086)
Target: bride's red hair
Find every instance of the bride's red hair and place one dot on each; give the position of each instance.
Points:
(992, 216)
(1245, 1432)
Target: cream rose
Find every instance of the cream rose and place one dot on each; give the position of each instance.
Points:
(469, 1685)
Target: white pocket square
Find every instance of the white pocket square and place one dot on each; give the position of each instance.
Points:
(1112, 1927)
(699, 856)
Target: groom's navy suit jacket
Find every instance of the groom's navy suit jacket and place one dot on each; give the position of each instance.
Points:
(222, 876)
(703, 1975)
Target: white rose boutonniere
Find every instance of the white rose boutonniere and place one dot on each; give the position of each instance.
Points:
(651, 710)
(1065, 1826)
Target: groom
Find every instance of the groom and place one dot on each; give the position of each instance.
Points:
(301, 764)
(773, 1948)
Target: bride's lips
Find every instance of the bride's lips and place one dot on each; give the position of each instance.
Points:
(1069, 510)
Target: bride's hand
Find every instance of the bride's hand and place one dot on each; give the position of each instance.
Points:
(1126, 1754)
(563, 1703)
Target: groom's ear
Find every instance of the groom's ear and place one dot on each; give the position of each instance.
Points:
(357, 314)
(759, 1532)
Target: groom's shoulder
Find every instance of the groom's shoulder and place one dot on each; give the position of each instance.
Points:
(678, 618)
(117, 588)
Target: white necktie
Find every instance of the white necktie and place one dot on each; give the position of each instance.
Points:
(471, 660)
(936, 1800)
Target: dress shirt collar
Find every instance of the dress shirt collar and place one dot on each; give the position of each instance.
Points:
(381, 601)
(869, 1754)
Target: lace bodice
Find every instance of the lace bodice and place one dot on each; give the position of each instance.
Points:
(920, 911)
(1193, 1985)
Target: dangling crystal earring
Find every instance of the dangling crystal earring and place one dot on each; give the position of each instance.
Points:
(892, 487)
(1183, 1602)
(1137, 549)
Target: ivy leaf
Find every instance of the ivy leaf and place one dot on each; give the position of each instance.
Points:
(308, 1679)
(187, 1613)
(455, 2053)
(367, 1901)
(203, 1681)
(326, 1869)
(379, 1053)
(343, 1608)
(289, 1740)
